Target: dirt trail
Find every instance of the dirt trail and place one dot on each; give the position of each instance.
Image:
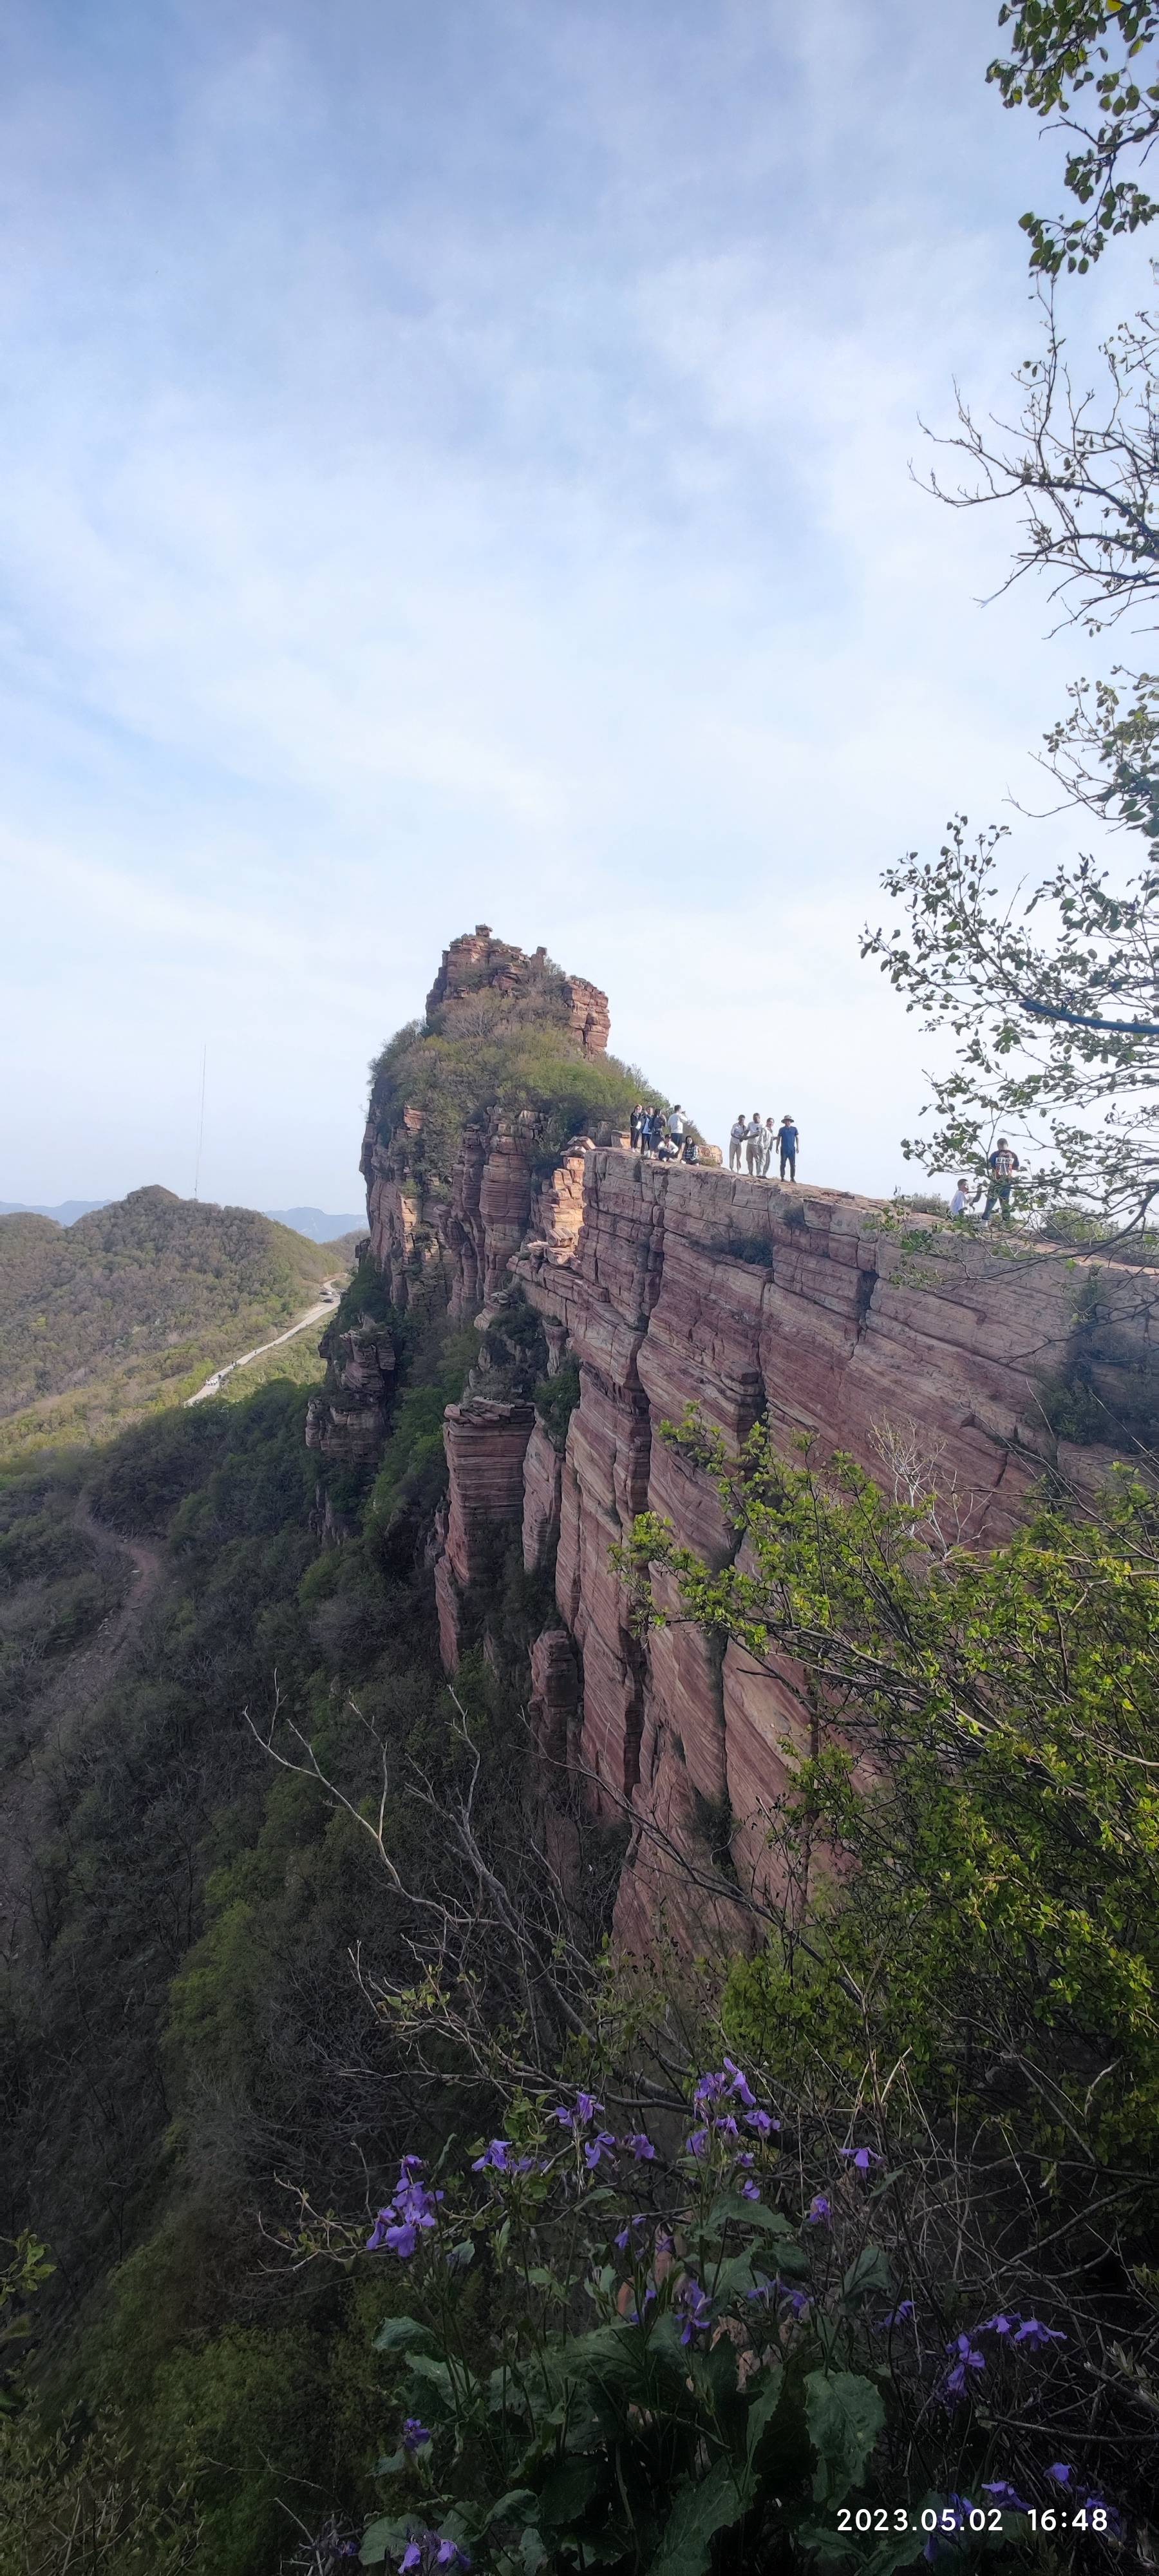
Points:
(326, 1305)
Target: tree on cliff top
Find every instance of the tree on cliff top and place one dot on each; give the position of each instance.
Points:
(493, 1052)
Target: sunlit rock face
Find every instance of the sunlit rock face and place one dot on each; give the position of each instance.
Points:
(917, 1352)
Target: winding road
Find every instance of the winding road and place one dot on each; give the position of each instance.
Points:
(331, 1292)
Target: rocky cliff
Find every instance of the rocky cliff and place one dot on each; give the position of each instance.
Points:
(654, 1288)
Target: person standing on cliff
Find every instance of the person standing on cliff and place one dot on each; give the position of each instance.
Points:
(1001, 1168)
(767, 1143)
(737, 1133)
(754, 1134)
(676, 1128)
(636, 1126)
(787, 1143)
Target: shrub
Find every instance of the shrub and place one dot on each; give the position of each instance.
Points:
(556, 1399)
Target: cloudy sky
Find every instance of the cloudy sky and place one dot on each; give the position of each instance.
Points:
(454, 466)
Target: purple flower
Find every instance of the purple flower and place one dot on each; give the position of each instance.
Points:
(710, 2087)
(587, 2107)
(413, 2207)
(796, 2300)
(1004, 2493)
(861, 2158)
(695, 2306)
(624, 2238)
(641, 2147)
(967, 2358)
(898, 2316)
(1059, 2471)
(497, 2154)
(1098, 2504)
(428, 2550)
(761, 2124)
(820, 2210)
(414, 2434)
(750, 2190)
(740, 2085)
(596, 2148)
(1033, 2331)
(1000, 2324)
(697, 2143)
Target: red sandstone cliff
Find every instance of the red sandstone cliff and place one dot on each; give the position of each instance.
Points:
(670, 1287)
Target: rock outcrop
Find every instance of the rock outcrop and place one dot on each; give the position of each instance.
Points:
(478, 964)
(916, 1351)
(348, 1418)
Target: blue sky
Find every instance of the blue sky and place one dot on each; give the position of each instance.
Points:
(454, 466)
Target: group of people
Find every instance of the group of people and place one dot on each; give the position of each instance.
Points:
(1001, 1167)
(758, 1140)
(663, 1134)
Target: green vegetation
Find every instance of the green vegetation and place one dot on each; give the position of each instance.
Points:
(522, 1059)
(131, 1308)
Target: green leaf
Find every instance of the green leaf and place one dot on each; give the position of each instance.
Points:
(734, 2278)
(732, 2207)
(567, 2493)
(400, 2332)
(762, 2408)
(844, 2415)
(532, 2551)
(520, 2504)
(870, 2272)
(381, 2536)
(699, 2512)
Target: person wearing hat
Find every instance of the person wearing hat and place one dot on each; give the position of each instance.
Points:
(787, 1142)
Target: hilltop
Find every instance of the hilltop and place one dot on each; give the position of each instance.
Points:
(132, 1305)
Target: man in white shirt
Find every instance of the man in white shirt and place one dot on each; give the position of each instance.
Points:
(754, 1143)
(736, 1136)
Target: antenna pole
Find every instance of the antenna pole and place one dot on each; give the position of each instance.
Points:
(200, 1124)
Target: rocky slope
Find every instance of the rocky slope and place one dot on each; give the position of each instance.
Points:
(666, 1287)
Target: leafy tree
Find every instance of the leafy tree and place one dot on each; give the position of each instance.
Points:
(1072, 60)
(963, 1885)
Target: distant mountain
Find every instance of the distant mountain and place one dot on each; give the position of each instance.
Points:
(66, 1214)
(310, 1221)
(134, 1304)
(314, 1222)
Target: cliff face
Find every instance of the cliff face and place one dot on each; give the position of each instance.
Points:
(673, 1286)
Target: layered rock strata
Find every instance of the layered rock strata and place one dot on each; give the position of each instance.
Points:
(917, 1353)
(920, 1352)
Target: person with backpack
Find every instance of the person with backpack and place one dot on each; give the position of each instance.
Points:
(787, 1143)
(1002, 1166)
(736, 1137)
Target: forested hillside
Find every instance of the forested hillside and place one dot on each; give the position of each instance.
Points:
(134, 1304)
(184, 2042)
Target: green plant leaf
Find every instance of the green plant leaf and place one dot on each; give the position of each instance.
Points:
(844, 2415)
(700, 2511)
(870, 2272)
(567, 2493)
(380, 2536)
(733, 2209)
(762, 2408)
(399, 2333)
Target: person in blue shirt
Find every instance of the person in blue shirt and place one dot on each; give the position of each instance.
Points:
(787, 1140)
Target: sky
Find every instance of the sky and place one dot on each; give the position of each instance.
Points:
(455, 466)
